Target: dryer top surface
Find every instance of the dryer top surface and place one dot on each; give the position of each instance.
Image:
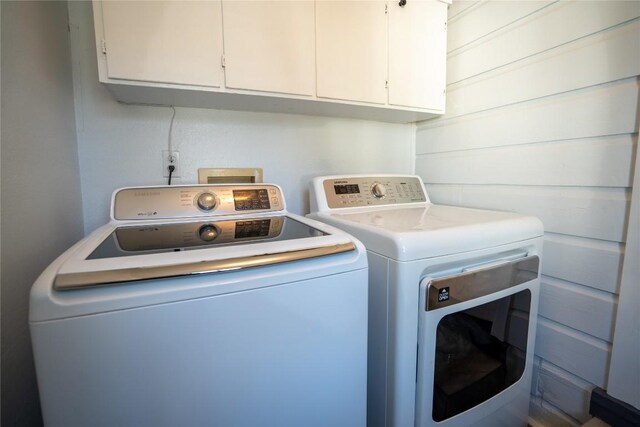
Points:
(418, 232)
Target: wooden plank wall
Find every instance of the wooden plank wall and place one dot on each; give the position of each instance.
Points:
(542, 118)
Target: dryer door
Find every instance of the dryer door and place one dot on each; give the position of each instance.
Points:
(474, 338)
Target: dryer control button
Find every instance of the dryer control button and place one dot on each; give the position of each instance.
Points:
(378, 190)
(206, 201)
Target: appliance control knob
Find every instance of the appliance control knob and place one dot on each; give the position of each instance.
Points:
(206, 201)
(208, 232)
(378, 190)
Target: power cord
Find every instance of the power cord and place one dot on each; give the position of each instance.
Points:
(170, 141)
(171, 169)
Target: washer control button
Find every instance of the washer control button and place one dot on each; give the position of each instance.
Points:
(378, 190)
(206, 201)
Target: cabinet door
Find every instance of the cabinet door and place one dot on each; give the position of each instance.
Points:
(269, 46)
(417, 54)
(351, 46)
(164, 41)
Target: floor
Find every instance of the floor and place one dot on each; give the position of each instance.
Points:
(595, 422)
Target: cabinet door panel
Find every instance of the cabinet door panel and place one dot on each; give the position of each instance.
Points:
(269, 46)
(417, 54)
(164, 41)
(351, 46)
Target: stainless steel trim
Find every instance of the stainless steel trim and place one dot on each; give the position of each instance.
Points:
(97, 278)
(467, 286)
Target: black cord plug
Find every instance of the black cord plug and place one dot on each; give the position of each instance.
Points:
(171, 169)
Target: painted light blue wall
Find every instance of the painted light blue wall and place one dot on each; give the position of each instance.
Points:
(41, 206)
(120, 145)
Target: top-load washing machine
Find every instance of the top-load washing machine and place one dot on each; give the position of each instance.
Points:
(453, 300)
(203, 306)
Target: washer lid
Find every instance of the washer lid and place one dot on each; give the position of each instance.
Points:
(153, 250)
(180, 276)
(150, 238)
(412, 233)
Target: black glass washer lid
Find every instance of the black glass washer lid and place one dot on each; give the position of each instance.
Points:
(174, 237)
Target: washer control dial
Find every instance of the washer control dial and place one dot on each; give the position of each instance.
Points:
(206, 201)
(208, 232)
(378, 190)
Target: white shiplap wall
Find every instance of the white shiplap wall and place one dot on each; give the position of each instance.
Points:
(542, 118)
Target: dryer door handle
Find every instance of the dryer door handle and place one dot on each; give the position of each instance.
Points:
(477, 282)
(485, 266)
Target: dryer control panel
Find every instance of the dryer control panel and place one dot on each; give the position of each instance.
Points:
(186, 201)
(356, 191)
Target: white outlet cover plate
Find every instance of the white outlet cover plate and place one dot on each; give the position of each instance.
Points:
(166, 161)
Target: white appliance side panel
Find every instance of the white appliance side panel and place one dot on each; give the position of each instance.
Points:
(378, 321)
(286, 355)
(402, 341)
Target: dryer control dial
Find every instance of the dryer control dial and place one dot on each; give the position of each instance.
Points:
(378, 190)
(206, 201)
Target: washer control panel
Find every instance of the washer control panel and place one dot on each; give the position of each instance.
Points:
(359, 191)
(195, 201)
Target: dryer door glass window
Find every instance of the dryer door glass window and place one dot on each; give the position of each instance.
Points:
(480, 352)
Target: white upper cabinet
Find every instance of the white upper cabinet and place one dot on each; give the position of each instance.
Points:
(367, 59)
(163, 41)
(351, 43)
(270, 46)
(417, 54)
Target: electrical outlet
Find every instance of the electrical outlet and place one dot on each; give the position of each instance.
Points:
(171, 158)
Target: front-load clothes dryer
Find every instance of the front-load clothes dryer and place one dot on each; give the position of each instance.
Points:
(453, 300)
(203, 306)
